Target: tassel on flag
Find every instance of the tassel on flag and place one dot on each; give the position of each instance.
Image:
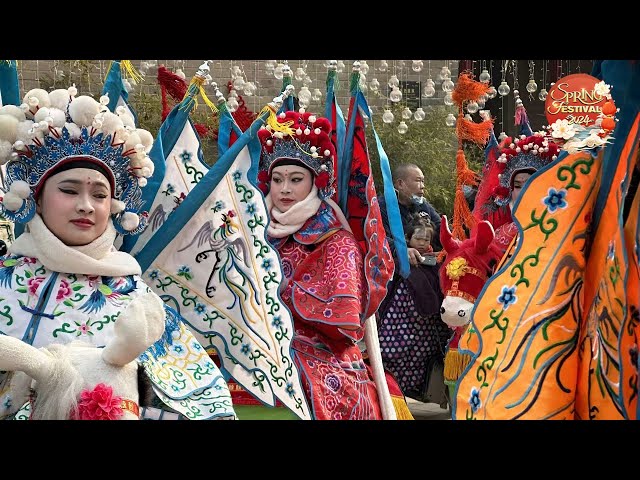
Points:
(115, 88)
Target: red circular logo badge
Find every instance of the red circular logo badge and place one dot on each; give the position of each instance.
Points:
(573, 98)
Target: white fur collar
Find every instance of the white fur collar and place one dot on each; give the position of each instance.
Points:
(285, 223)
(99, 257)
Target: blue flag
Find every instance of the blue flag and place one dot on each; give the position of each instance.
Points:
(114, 87)
(287, 105)
(179, 166)
(9, 87)
(333, 113)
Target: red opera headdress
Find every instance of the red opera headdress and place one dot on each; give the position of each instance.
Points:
(525, 153)
(305, 138)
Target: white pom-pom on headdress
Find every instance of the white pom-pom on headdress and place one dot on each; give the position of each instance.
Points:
(132, 141)
(117, 206)
(22, 133)
(130, 221)
(58, 118)
(12, 202)
(142, 182)
(21, 189)
(83, 110)
(5, 151)
(74, 130)
(127, 119)
(148, 164)
(59, 98)
(36, 98)
(14, 112)
(111, 123)
(41, 114)
(8, 128)
(145, 138)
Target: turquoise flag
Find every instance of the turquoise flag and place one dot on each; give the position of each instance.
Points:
(179, 166)
(9, 87)
(114, 87)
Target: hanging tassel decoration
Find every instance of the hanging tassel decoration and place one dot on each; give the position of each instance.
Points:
(129, 71)
(272, 121)
(467, 89)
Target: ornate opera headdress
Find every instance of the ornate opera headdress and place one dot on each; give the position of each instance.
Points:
(302, 137)
(52, 129)
(527, 153)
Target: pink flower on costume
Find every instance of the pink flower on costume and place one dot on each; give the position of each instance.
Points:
(98, 404)
(33, 284)
(29, 260)
(64, 290)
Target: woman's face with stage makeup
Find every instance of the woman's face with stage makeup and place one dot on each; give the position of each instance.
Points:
(519, 180)
(290, 184)
(75, 205)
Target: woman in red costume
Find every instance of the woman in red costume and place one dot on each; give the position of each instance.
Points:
(322, 263)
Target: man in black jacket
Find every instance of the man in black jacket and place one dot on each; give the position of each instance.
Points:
(408, 181)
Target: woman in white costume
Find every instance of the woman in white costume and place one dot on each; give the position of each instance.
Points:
(74, 177)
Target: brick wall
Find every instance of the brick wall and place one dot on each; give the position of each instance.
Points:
(48, 73)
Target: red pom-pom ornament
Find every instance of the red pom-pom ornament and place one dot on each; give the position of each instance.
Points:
(322, 180)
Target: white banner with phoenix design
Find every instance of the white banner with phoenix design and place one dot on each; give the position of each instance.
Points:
(184, 169)
(223, 277)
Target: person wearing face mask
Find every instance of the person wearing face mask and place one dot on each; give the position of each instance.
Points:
(74, 177)
(412, 306)
(408, 181)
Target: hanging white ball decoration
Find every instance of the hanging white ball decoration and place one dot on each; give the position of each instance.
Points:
(395, 95)
(277, 72)
(542, 94)
(387, 116)
(403, 128)
(428, 91)
(484, 76)
(450, 121)
(504, 89)
(447, 85)
(448, 99)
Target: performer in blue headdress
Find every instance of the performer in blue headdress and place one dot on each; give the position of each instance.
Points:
(74, 177)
